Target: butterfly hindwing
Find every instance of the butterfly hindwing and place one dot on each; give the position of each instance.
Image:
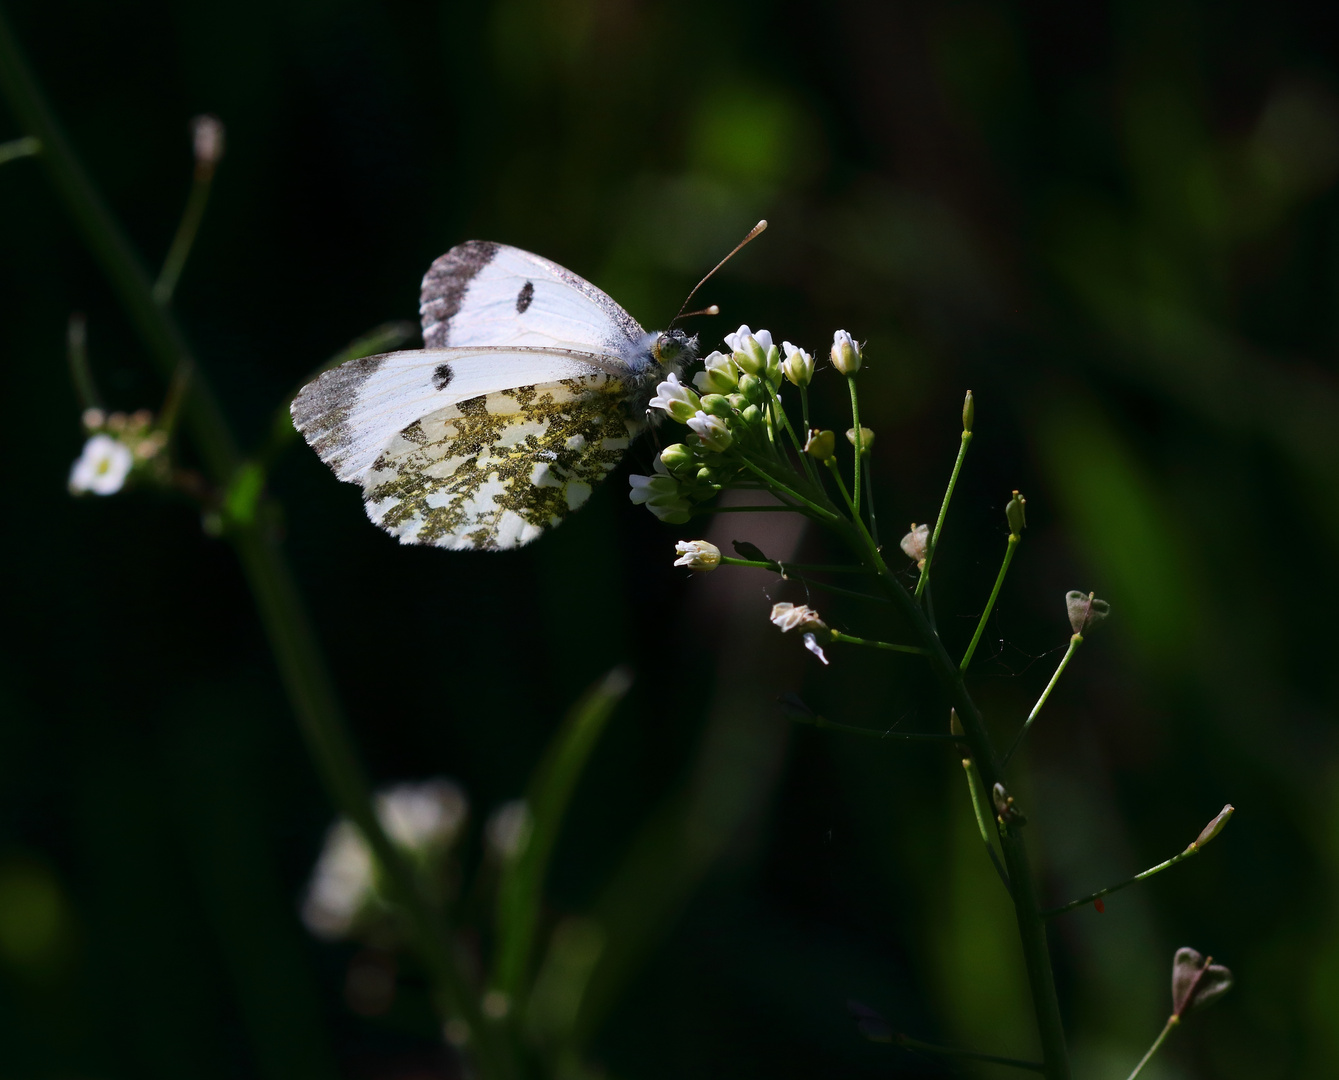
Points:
(495, 471)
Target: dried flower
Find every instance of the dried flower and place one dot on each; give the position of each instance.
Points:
(697, 555)
(789, 617)
(1196, 981)
(845, 353)
(915, 543)
(102, 467)
(1085, 611)
(811, 643)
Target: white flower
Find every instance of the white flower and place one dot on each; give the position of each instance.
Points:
(915, 542)
(207, 140)
(798, 366)
(712, 430)
(507, 830)
(697, 555)
(341, 883)
(789, 617)
(845, 353)
(422, 817)
(750, 349)
(661, 495)
(102, 468)
(675, 398)
(719, 376)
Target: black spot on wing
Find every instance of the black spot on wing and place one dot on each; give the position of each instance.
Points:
(442, 376)
(444, 286)
(525, 297)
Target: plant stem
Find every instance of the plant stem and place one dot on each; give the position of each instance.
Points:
(855, 420)
(1050, 913)
(1031, 928)
(915, 650)
(292, 637)
(990, 604)
(76, 349)
(1074, 643)
(1172, 1021)
(869, 497)
(943, 512)
(831, 463)
(180, 250)
(780, 488)
(19, 148)
(908, 1043)
(982, 811)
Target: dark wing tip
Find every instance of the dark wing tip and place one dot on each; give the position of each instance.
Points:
(444, 286)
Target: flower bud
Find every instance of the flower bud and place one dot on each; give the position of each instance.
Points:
(968, 411)
(677, 458)
(845, 353)
(916, 542)
(712, 430)
(738, 402)
(773, 368)
(717, 405)
(718, 376)
(1085, 611)
(1217, 825)
(820, 444)
(676, 399)
(752, 416)
(866, 439)
(798, 366)
(697, 555)
(1014, 514)
(753, 388)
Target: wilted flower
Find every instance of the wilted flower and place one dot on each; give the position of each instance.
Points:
(789, 617)
(1085, 611)
(845, 353)
(916, 542)
(750, 349)
(697, 555)
(718, 376)
(675, 398)
(866, 438)
(798, 366)
(1196, 981)
(712, 430)
(102, 467)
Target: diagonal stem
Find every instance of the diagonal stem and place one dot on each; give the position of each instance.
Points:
(1074, 643)
(943, 513)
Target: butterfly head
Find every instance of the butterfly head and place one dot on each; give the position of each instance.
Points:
(674, 349)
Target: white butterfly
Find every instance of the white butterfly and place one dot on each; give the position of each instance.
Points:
(531, 386)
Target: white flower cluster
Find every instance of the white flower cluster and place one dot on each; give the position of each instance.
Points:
(422, 820)
(731, 407)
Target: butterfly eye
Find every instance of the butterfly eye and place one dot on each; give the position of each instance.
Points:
(675, 347)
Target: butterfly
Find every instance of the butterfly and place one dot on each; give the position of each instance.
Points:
(531, 386)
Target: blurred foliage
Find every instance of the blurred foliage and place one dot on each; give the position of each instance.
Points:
(1118, 226)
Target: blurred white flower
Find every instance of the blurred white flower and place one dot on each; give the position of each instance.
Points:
(507, 830)
(341, 883)
(102, 467)
(426, 816)
(207, 140)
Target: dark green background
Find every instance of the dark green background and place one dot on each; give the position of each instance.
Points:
(1117, 224)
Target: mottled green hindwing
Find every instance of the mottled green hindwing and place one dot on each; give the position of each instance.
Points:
(495, 471)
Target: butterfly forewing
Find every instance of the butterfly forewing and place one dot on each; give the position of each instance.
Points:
(495, 471)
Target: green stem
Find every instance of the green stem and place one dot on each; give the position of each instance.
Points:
(1027, 911)
(908, 1043)
(914, 650)
(990, 604)
(779, 488)
(1172, 1021)
(982, 811)
(19, 148)
(1050, 913)
(292, 637)
(76, 344)
(943, 512)
(831, 463)
(855, 419)
(185, 236)
(1074, 643)
(869, 497)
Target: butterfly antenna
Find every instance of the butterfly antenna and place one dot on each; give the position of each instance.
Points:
(753, 235)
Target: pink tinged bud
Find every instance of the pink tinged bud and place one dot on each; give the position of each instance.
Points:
(1217, 825)
(845, 353)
